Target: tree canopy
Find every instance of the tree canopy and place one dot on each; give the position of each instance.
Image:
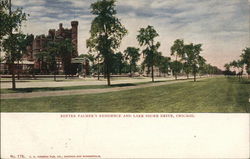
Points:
(11, 43)
(106, 32)
(146, 37)
(132, 54)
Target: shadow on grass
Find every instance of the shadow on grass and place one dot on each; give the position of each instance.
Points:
(28, 90)
(133, 84)
(123, 85)
(196, 81)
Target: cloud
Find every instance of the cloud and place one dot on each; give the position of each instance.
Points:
(221, 26)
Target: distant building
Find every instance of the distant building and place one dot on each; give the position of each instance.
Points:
(40, 41)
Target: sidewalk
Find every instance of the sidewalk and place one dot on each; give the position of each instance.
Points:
(79, 82)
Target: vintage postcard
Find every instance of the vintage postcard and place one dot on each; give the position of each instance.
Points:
(125, 79)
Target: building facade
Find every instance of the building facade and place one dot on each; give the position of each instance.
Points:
(40, 42)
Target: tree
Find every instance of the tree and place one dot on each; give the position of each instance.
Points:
(164, 65)
(146, 38)
(40, 57)
(106, 32)
(52, 54)
(177, 50)
(118, 63)
(65, 49)
(15, 48)
(176, 67)
(192, 53)
(246, 60)
(201, 64)
(11, 42)
(132, 54)
(227, 71)
(240, 66)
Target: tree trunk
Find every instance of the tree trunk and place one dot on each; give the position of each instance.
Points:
(108, 74)
(98, 71)
(176, 67)
(18, 70)
(120, 69)
(105, 71)
(13, 76)
(55, 70)
(194, 77)
(33, 72)
(130, 70)
(152, 73)
(187, 76)
(148, 71)
(54, 76)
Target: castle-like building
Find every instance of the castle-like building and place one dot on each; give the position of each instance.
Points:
(40, 41)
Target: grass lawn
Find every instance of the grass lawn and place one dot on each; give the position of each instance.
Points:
(210, 95)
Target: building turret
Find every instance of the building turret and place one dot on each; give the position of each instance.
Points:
(60, 26)
(74, 36)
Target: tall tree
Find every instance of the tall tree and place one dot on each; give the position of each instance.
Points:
(246, 59)
(193, 57)
(11, 42)
(177, 50)
(146, 38)
(106, 32)
(132, 54)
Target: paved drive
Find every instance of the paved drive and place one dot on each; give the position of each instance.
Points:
(83, 91)
(79, 82)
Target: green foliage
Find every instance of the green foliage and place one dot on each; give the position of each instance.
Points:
(193, 58)
(176, 67)
(190, 58)
(10, 21)
(132, 54)
(246, 59)
(164, 64)
(53, 51)
(178, 48)
(239, 64)
(11, 43)
(117, 63)
(15, 47)
(146, 38)
(65, 49)
(106, 32)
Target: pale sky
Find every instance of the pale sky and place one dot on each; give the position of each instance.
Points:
(222, 26)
